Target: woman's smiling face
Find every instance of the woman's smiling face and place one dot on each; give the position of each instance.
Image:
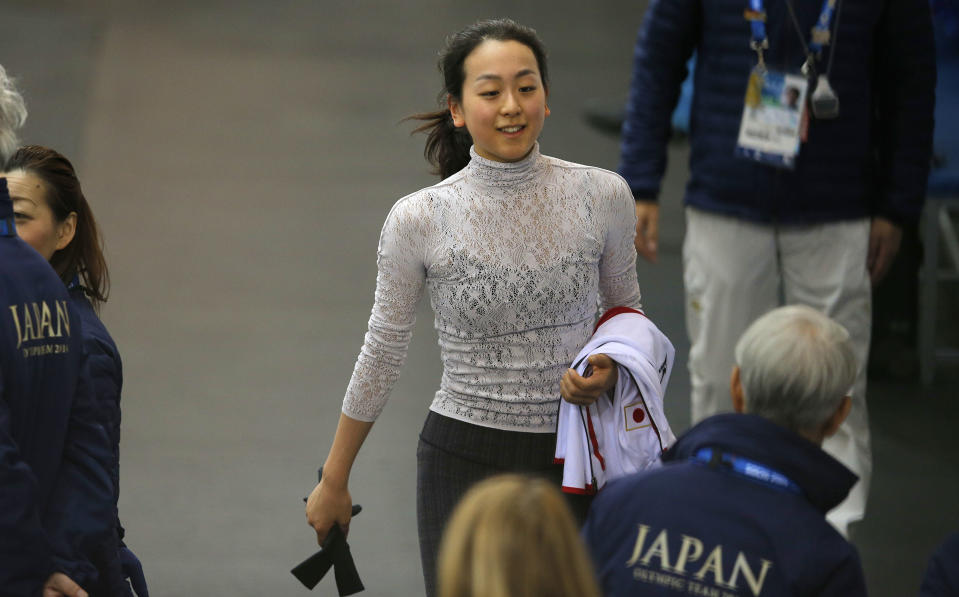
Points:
(503, 103)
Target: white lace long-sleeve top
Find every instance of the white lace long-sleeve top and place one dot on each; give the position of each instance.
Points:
(517, 258)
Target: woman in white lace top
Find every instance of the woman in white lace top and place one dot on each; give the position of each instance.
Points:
(517, 252)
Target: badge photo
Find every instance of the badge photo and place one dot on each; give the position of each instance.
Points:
(771, 125)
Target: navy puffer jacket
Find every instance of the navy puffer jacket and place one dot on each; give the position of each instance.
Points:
(692, 528)
(872, 160)
(106, 377)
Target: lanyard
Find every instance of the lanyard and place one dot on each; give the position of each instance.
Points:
(756, 15)
(8, 227)
(749, 469)
(820, 32)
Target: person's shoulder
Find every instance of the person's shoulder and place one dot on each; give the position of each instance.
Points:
(942, 571)
(949, 549)
(642, 493)
(96, 337)
(593, 175)
(430, 195)
(17, 256)
(624, 488)
(419, 211)
(584, 169)
(81, 303)
(27, 274)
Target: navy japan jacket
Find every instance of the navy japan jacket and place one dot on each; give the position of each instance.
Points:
(690, 528)
(872, 160)
(56, 497)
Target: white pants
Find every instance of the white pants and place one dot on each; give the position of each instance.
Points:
(736, 270)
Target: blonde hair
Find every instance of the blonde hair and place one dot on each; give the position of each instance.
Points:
(514, 536)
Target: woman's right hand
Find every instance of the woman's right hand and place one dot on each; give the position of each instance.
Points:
(329, 504)
(599, 378)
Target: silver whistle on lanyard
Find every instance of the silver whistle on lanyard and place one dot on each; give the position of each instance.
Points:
(824, 101)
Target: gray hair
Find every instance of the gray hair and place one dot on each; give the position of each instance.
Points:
(13, 113)
(795, 365)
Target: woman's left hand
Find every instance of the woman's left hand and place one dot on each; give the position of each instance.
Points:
(583, 391)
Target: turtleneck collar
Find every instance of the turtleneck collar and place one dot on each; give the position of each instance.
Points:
(504, 173)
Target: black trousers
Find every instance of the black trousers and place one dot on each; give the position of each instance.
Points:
(453, 455)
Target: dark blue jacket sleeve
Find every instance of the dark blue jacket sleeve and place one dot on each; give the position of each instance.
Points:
(81, 514)
(905, 80)
(25, 551)
(670, 32)
(106, 376)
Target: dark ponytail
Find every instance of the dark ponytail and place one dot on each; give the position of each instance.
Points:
(448, 146)
(83, 257)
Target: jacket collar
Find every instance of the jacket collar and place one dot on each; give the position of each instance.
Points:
(824, 480)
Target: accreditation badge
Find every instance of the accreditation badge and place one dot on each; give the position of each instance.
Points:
(773, 116)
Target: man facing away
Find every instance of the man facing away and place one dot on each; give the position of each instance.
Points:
(739, 507)
(56, 495)
(55, 491)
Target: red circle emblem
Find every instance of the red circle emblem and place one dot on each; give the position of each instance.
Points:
(639, 415)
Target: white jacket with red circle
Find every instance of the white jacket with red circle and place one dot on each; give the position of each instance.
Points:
(626, 432)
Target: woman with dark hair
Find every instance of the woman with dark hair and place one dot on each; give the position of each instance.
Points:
(517, 250)
(53, 217)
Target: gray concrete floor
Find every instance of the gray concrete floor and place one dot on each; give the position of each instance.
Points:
(241, 157)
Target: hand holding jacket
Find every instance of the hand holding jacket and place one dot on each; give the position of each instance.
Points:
(599, 378)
